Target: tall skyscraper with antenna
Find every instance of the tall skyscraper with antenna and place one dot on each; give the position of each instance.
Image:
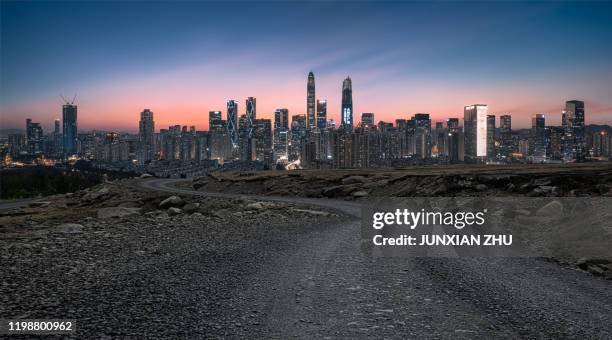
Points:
(310, 102)
(347, 104)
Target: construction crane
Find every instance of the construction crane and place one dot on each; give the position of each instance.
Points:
(66, 101)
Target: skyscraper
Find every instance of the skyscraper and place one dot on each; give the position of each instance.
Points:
(310, 102)
(475, 131)
(69, 132)
(247, 148)
(491, 137)
(57, 138)
(367, 119)
(232, 121)
(146, 137)
(262, 141)
(505, 133)
(34, 137)
(537, 144)
(281, 119)
(215, 122)
(321, 113)
(347, 104)
(455, 145)
(298, 134)
(574, 143)
(251, 114)
(422, 124)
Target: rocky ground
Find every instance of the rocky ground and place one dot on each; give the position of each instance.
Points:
(126, 262)
(112, 253)
(532, 181)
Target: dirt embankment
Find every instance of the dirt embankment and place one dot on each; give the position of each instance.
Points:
(532, 181)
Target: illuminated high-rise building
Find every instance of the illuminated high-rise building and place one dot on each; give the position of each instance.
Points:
(491, 152)
(537, 144)
(251, 114)
(321, 114)
(574, 142)
(367, 119)
(475, 131)
(281, 119)
(245, 126)
(422, 125)
(505, 135)
(298, 135)
(34, 137)
(69, 132)
(262, 141)
(232, 121)
(310, 102)
(215, 122)
(347, 105)
(146, 137)
(455, 140)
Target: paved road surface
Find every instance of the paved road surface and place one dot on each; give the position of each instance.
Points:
(318, 284)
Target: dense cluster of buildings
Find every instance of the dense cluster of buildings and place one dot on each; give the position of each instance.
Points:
(314, 141)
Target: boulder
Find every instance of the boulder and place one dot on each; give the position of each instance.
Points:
(381, 183)
(354, 180)
(542, 181)
(174, 211)
(332, 191)
(190, 208)
(96, 195)
(360, 193)
(255, 206)
(172, 201)
(117, 212)
(146, 176)
(481, 187)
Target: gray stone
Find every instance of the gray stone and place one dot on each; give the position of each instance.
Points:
(172, 201)
(354, 180)
(481, 187)
(146, 176)
(542, 182)
(190, 208)
(174, 211)
(255, 206)
(361, 193)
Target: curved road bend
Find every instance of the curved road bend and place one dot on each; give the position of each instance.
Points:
(321, 285)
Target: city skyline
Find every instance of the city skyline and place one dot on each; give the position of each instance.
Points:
(523, 68)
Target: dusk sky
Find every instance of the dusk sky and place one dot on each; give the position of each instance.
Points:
(183, 59)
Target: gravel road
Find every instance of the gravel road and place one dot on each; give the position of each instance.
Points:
(316, 283)
(269, 277)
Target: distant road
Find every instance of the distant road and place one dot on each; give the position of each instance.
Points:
(321, 285)
(10, 204)
(169, 185)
